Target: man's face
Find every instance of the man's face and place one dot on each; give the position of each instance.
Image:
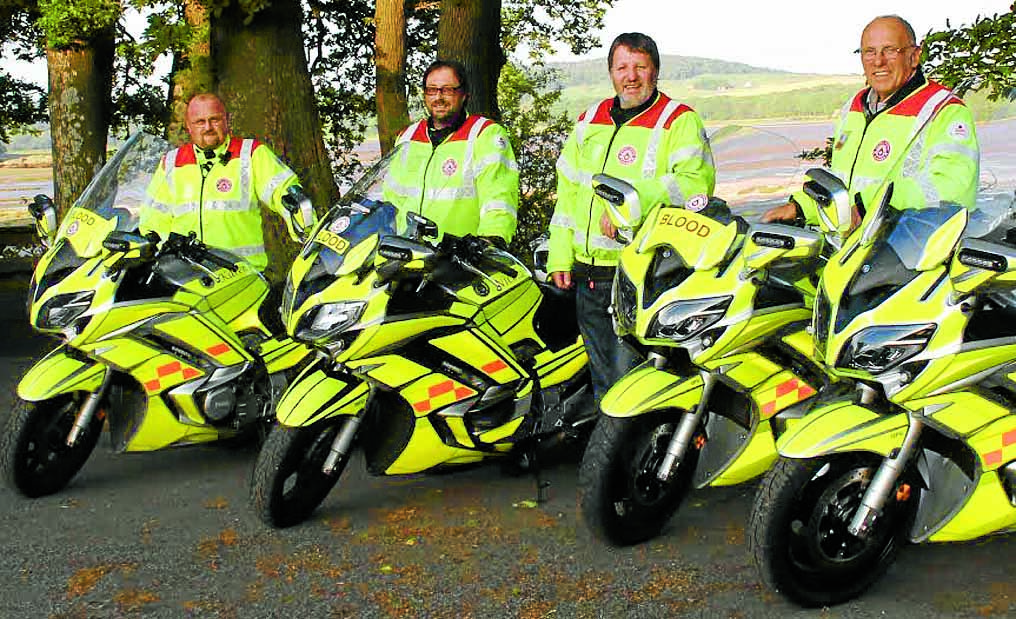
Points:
(886, 68)
(633, 75)
(443, 96)
(207, 122)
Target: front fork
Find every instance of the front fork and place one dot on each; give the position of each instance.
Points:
(882, 484)
(88, 408)
(686, 430)
(340, 446)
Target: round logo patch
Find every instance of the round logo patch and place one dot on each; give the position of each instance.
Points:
(959, 131)
(73, 228)
(223, 185)
(449, 166)
(501, 142)
(627, 155)
(339, 225)
(697, 202)
(881, 151)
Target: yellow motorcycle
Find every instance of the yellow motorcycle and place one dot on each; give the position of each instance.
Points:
(720, 309)
(166, 342)
(430, 355)
(919, 309)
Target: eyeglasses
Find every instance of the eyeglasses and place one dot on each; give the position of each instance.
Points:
(433, 91)
(890, 52)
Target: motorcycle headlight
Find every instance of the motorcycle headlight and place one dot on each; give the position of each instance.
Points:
(877, 349)
(624, 303)
(682, 320)
(63, 309)
(329, 320)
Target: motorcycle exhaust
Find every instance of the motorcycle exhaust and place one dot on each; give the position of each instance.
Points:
(678, 445)
(882, 484)
(340, 446)
(87, 411)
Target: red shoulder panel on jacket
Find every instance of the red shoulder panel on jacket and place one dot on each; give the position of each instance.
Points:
(462, 133)
(185, 156)
(912, 105)
(419, 132)
(236, 144)
(857, 105)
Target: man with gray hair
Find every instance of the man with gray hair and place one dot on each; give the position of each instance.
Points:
(900, 114)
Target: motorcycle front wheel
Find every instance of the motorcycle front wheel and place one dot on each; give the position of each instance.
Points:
(798, 529)
(34, 455)
(622, 500)
(288, 481)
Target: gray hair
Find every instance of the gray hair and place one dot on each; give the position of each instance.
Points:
(906, 26)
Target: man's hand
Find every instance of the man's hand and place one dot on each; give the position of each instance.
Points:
(608, 229)
(562, 279)
(784, 212)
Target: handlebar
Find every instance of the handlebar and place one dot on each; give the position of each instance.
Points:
(190, 246)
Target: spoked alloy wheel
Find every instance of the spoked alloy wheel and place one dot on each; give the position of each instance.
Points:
(799, 536)
(34, 455)
(288, 482)
(622, 500)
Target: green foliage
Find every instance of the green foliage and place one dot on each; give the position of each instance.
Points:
(825, 154)
(526, 99)
(66, 22)
(21, 105)
(539, 24)
(981, 56)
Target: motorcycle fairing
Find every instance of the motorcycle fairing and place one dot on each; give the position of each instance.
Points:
(986, 511)
(647, 389)
(317, 394)
(839, 427)
(60, 371)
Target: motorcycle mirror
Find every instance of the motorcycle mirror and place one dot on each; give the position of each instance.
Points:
(300, 208)
(135, 247)
(831, 199)
(622, 202)
(767, 243)
(43, 211)
(419, 227)
(404, 250)
(977, 262)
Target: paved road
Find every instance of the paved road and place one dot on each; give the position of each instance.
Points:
(169, 534)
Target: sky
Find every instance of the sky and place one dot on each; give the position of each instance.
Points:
(803, 36)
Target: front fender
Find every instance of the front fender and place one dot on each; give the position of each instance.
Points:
(647, 388)
(317, 394)
(842, 427)
(60, 372)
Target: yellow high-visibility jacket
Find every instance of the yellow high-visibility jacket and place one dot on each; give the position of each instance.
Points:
(467, 184)
(942, 157)
(663, 152)
(219, 198)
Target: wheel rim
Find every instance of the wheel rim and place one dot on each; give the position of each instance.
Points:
(647, 489)
(47, 443)
(821, 542)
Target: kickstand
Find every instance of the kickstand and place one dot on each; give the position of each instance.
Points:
(541, 483)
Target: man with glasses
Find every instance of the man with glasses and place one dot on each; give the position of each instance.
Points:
(454, 168)
(644, 137)
(900, 114)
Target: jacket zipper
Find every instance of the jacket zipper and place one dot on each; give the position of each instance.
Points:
(589, 219)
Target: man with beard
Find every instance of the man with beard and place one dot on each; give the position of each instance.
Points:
(454, 168)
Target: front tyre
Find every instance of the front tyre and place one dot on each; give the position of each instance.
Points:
(798, 529)
(288, 482)
(622, 500)
(34, 456)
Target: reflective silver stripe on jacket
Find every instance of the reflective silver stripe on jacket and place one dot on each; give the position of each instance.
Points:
(497, 205)
(247, 251)
(584, 122)
(596, 240)
(653, 145)
(170, 163)
(562, 221)
(269, 189)
(577, 177)
(245, 170)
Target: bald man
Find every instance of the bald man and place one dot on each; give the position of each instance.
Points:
(214, 186)
(902, 126)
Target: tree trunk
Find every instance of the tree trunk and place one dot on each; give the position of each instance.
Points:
(264, 81)
(470, 32)
(80, 101)
(192, 69)
(390, 64)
